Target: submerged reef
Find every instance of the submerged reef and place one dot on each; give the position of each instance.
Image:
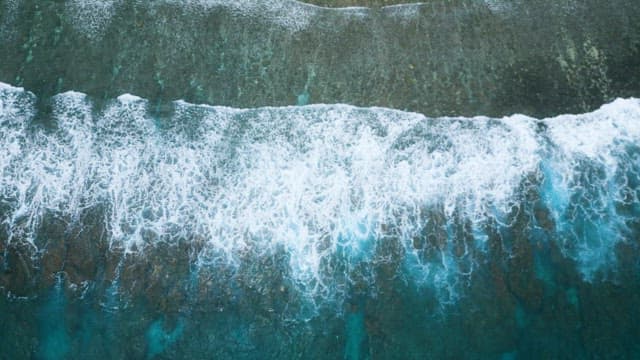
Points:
(461, 57)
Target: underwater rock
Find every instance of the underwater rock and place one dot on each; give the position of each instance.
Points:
(19, 271)
(459, 57)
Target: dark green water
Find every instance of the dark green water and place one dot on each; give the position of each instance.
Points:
(153, 228)
(444, 57)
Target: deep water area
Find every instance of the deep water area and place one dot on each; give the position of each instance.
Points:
(249, 179)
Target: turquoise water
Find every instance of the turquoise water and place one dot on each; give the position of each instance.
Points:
(55, 342)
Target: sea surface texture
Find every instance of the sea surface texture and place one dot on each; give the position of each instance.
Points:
(247, 179)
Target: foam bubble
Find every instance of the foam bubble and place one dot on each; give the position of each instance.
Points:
(17, 108)
(128, 98)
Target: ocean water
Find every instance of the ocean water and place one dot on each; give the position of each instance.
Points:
(242, 179)
(319, 231)
(440, 58)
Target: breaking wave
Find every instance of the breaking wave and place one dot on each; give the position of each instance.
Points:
(341, 190)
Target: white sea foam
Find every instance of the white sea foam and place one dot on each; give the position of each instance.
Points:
(128, 98)
(322, 182)
(594, 134)
(590, 168)
(91, 17)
